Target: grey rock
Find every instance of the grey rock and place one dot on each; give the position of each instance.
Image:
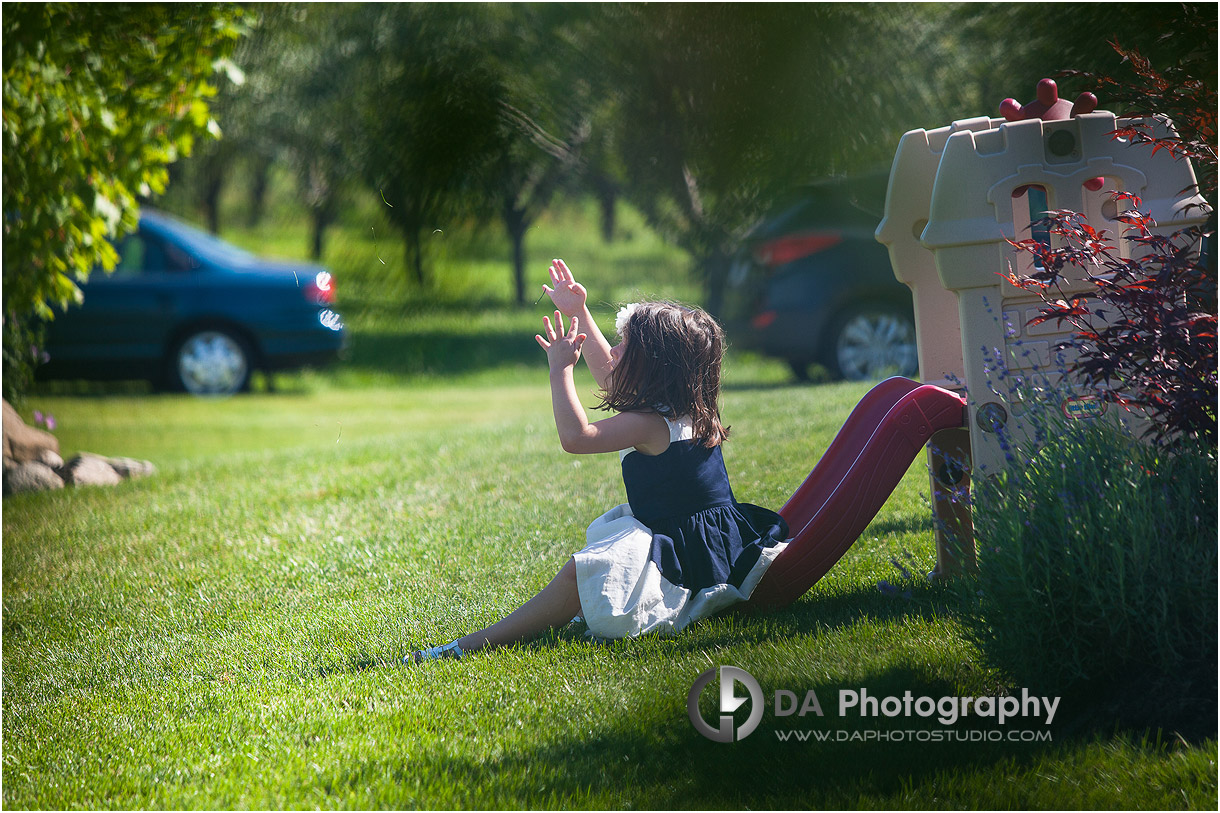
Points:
(130, 467)
(90, 470)
(52, 459)
(31, 476)
(25, 443)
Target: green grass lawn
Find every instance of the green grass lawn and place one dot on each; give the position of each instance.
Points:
(228, 633)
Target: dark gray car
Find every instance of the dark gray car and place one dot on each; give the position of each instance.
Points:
(812, 285)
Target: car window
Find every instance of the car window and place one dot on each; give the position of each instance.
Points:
(201, 244)
(131, 256)
(146, 253)
(173, 258)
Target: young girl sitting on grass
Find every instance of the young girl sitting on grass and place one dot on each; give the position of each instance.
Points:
(682, 548)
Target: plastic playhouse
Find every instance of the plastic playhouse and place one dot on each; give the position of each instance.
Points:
(956, 196)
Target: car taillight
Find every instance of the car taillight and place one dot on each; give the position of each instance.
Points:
(322, 290)
(795, 246)
(763, 320)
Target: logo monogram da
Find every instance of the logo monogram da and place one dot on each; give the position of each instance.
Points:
(729, 676)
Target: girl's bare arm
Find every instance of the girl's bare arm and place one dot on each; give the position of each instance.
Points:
(645, 431)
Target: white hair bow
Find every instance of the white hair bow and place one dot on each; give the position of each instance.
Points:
(624, 316)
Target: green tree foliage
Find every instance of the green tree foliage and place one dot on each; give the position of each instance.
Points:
(1001, 50)
(98, 100)
(702, 115)
(723, 109)
(309, 75)
(303, 67)
(247, 100)
(428, 114)
(545, 113)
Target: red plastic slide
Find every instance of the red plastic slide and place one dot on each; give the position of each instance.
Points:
(853, 480)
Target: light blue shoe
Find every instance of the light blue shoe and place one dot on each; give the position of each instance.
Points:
(449, 650)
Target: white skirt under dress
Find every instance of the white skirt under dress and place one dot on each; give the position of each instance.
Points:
(622, 591)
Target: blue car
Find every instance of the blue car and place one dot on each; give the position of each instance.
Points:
(186, 310)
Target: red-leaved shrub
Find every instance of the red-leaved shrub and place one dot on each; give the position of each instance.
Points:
(1145, 337)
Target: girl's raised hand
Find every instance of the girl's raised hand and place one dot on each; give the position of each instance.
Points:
(568, 295)
(561, 350)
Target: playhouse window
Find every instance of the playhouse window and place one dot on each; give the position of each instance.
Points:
(1028, 208)
(1038, 206)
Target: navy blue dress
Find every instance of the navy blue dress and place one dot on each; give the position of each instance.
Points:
(681, 549)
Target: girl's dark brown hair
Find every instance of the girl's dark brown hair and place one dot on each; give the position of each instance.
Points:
(671, 363)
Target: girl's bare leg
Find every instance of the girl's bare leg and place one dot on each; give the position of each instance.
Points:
(553, 607)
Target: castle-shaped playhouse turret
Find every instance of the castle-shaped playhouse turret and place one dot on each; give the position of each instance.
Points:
(956, 196)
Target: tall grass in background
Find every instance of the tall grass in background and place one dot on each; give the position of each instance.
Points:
(1097, 568)
(463, 322)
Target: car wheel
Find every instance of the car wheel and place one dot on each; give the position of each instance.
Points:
(211, 362)
(872, 342)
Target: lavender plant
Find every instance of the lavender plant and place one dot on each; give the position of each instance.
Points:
(1097, 560)
(1097, 554)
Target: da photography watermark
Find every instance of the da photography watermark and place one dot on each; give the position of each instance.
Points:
(859, 706)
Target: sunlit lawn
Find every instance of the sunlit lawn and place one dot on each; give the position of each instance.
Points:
(228, 632)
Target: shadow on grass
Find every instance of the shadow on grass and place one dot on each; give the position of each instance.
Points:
(355, 665)
(837, 610)
(745, 626)
(748, 626)
(82, 388)
(903, 524)
(403, 353)
(650, 755)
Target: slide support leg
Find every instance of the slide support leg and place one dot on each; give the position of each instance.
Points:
(949, 466)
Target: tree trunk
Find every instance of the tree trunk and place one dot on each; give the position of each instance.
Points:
(319, 220)
(516, 224)
(258, 191)
(318, 195)
(213, 184)
(607, 198)
(717, 264)
(715, 259)
(415, 255)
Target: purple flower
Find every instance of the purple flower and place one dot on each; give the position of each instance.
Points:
(51, 423)
(37, 416)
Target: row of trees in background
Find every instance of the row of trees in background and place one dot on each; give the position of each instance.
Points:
(701, 115)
